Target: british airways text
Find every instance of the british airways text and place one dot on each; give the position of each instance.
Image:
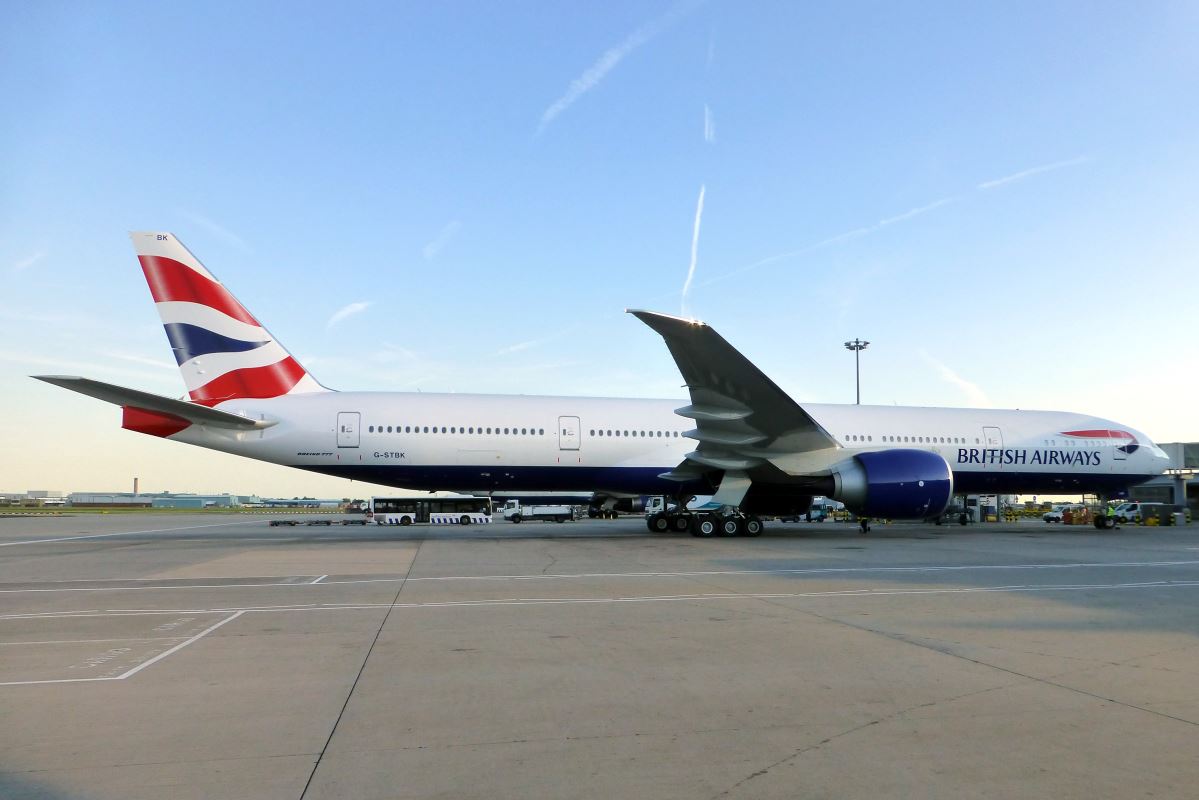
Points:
(1064, 458)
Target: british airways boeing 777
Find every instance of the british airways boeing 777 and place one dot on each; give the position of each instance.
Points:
(740, 438)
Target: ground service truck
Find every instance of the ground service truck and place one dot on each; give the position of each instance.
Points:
(515, 512)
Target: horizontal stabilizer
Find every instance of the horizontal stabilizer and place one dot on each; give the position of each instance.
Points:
(121, 396)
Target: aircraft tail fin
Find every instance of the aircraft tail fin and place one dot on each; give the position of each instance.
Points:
(223, 352)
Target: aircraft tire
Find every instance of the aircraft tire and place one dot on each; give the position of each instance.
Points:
(658, 523)
(752, 527)
(731, 526)
(680, 522)
(703, 525)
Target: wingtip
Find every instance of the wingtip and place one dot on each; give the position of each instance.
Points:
(646, 316)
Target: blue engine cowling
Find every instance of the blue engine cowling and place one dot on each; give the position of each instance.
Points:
(894, 484)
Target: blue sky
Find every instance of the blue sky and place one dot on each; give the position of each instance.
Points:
(465, 197)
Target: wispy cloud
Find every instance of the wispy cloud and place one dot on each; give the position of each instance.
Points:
(883, 223)
(219, 231)
(1028, 173)
(516, 348)
(29, 261)
(69, 366)
(699, 216)
(346, 311)
(592, 76)
(392, 353)
(709, 125)
(140, 359)
(856, 233)
(447, 233)
(973, 393)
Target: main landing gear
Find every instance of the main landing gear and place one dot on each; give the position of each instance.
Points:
(732, 523)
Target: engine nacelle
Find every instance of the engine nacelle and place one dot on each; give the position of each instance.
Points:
(894, 484)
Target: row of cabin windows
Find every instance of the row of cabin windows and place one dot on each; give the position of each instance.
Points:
(642, 434)
(963, 440)
(911, 439)
(454, 429)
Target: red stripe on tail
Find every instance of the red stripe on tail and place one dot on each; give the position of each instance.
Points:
(269, 381)
(172, 281)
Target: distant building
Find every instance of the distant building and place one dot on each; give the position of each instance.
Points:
(152, 500)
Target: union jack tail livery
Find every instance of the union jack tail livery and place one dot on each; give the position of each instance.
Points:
(223, 352)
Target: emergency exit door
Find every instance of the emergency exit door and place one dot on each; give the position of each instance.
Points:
(568, 433)
(347, 428)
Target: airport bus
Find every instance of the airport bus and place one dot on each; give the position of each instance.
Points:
(411, 509)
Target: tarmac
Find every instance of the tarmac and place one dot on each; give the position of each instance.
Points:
(212, 656)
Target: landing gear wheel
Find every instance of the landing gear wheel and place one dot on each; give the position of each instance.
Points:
(963, 519)
(731, 526)
(658, 523)
(703, 526)
(753, 527)
(864, 524)
(680, 523)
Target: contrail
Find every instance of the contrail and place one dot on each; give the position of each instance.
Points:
(1028, 173)
(699, 215)
(610, 58)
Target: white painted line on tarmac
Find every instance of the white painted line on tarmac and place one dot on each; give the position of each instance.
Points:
(519, 601)
(130, 673)
(592, 575)
(98, 641)
(128, 533)
(798, 571)
(179, 646)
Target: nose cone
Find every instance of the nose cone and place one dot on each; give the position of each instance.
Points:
(1160, 459)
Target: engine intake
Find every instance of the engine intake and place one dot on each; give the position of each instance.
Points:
(894, 484)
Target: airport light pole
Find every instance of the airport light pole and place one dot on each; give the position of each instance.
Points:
(857, 346)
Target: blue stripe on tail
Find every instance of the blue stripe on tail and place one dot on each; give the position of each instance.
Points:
(189, 341)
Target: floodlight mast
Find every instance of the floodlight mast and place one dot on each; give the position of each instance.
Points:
(857, 346)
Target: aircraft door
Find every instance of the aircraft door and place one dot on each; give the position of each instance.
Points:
(347, 428)
(568, 433)
(993, 440)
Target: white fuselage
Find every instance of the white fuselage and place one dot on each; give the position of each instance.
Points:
(482, 443)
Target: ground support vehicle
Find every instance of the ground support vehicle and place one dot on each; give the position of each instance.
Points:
(514, 511)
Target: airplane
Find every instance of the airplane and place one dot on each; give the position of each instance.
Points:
(740, 439)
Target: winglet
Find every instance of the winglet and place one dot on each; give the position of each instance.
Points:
(739, 410)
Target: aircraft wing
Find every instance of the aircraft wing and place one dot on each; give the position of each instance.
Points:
(121, 396)
(743, 418)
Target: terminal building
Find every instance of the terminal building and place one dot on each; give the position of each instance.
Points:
(155, 500)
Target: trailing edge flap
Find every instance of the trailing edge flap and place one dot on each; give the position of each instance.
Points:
(740, 414)
(121, 396)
